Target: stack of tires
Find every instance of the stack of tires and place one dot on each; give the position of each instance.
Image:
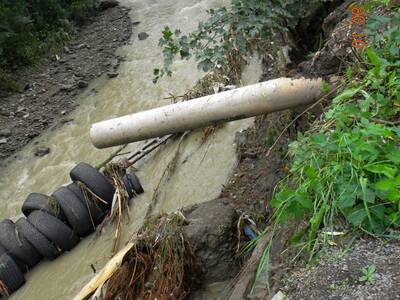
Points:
(52, 225)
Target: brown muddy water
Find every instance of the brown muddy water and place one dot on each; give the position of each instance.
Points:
(201, 171)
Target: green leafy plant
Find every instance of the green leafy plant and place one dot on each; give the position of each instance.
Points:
(368, 274)
(229, 34)
(346, 170)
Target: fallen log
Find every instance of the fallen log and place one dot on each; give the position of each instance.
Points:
(245, 102)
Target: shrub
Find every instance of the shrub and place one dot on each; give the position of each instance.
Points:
(29, 28)
(230, 33)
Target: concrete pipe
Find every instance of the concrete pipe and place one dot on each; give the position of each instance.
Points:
(245, 102)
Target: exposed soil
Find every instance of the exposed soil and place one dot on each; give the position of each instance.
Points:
(337, 275)
(48, 92)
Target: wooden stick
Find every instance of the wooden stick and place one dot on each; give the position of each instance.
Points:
(104, 274)
(110, 158)
(143, 152)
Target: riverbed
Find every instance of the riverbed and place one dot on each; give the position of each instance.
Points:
(201, 170)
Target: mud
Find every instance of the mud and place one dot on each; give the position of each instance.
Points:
(48, 92)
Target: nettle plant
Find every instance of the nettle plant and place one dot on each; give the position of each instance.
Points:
(348, 168)
(230, 33)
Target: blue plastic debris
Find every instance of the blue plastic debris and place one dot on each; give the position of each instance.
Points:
(249, 232)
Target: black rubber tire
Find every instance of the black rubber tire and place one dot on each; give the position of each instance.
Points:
(97, 212)
(17, 245)
(10, 274)
(20, 264)
(36, 201)
(37, 239)
(54, 230)
(137, 186)
(128, 186)
(94, 180)
(75, 211)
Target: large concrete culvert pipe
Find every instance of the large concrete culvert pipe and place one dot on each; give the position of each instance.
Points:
(245, 102)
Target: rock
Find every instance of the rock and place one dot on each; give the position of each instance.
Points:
(229, 87)
(81, 46)
(3, 141)
(211, 231)
(66, 49)
(66, 87)
(66, 121)
(65, 23)
(105, 4)
(20, 109)
(112, 74)
(279, 296)
(115, 63)
(5, 132)
(32, 134)
(136, 23)
(142, 36)
(42, 151)
(82, 84)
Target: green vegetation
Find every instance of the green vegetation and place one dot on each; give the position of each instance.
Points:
(30, 29)
(230, 34)
(345, 171)
(368, 274)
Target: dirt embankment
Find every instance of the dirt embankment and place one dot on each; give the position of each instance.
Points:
(263, 161)
(48, 92)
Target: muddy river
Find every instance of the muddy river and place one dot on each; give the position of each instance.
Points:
(201, 171)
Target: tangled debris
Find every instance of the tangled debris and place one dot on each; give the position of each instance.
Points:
(120, 203)
(159, 265)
